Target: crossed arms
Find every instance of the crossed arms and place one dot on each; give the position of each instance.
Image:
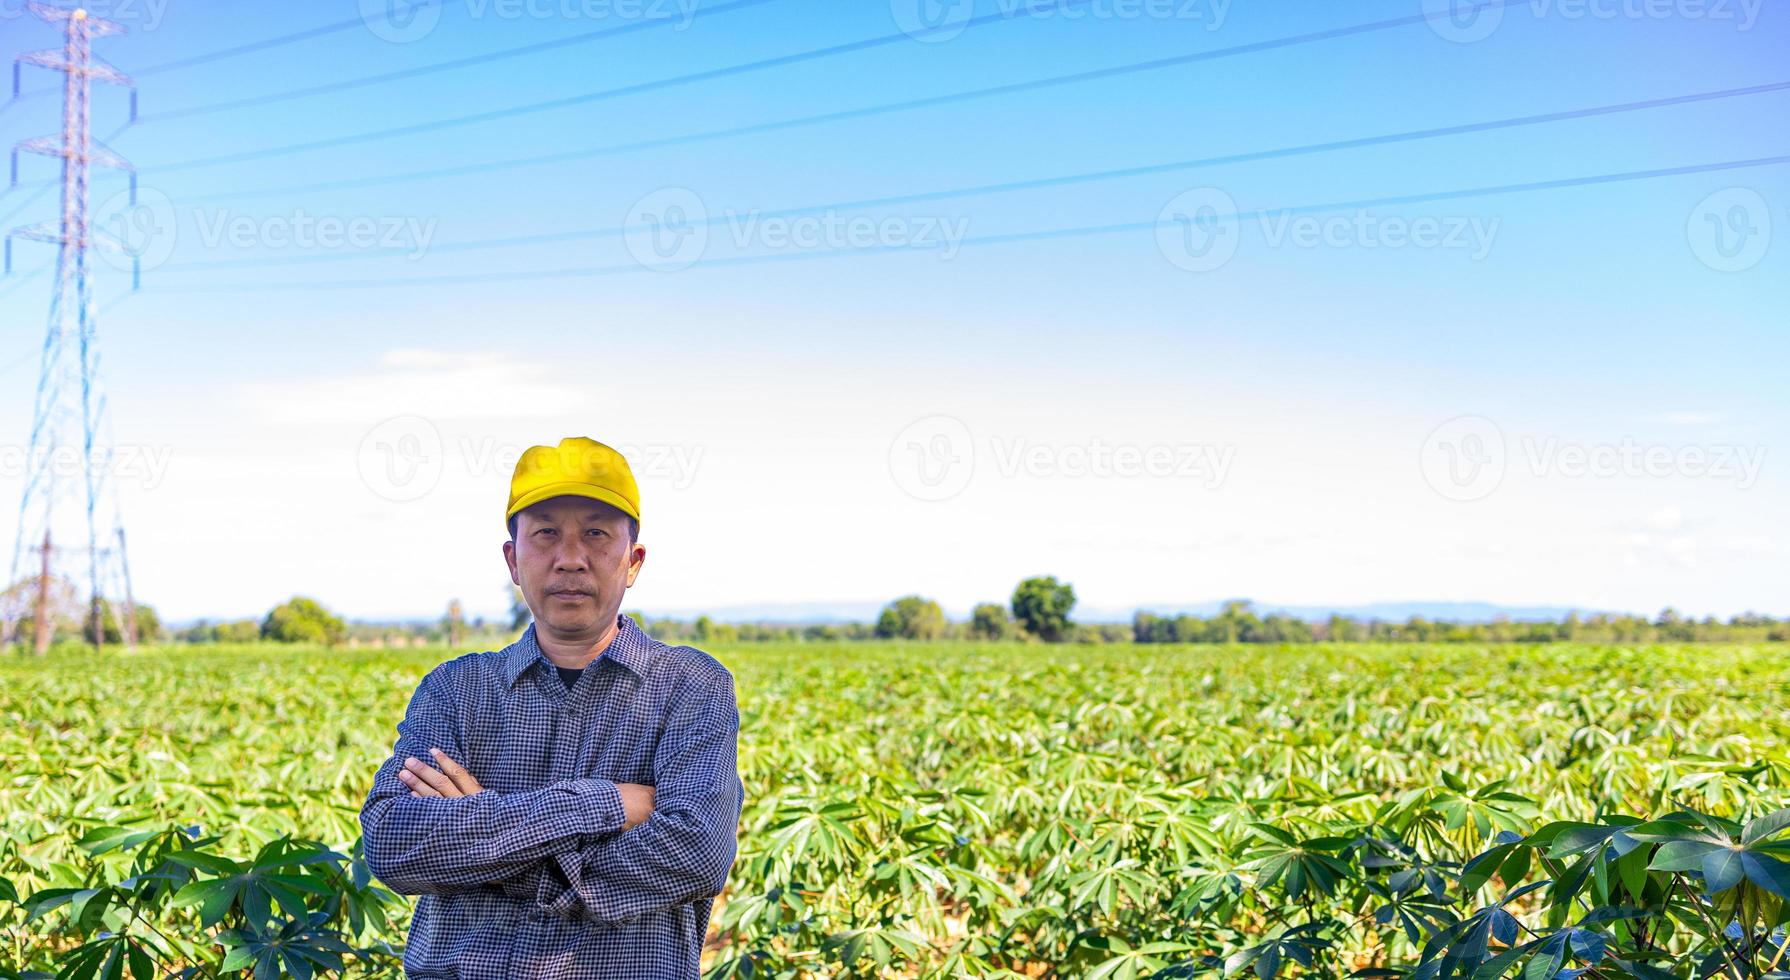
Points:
(572, 847)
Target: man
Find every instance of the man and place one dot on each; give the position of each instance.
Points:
(566, 807)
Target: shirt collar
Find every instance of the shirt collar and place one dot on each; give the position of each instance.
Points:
(631, 648)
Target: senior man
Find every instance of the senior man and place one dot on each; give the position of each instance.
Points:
(566, 807)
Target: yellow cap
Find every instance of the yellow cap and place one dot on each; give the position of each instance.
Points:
(577, 467)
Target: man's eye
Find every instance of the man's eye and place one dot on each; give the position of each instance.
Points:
(598, 530)
(545, 530)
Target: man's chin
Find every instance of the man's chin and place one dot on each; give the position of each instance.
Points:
(573, 620)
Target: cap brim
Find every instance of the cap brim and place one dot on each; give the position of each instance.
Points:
(539, 494)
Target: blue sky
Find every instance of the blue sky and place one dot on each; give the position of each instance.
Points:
(778, 393)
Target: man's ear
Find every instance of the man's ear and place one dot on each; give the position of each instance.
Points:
(636, 558)
(509, 558)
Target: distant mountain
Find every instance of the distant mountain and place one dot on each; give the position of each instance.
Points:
(866, 612)
(1436, 611)
(785, 612)
(805, 613)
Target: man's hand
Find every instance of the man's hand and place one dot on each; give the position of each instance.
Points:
(452, 780)
(637, 801)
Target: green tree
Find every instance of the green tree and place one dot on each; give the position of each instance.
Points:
(989, 621)
(303, 620)
(1342, 629)
(149, 625)
(519, 611)
(66, 610)
(237, 631)
(911, 618)
(1042, 605)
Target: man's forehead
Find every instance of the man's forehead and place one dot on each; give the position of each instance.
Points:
(571, 507)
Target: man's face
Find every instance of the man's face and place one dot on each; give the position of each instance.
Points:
(572, 558)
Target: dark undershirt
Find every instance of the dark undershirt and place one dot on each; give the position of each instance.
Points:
(568, 676)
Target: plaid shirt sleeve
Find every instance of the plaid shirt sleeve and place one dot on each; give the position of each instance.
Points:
(436, 845)
(686, 847)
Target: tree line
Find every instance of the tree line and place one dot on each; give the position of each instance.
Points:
(1037, 611)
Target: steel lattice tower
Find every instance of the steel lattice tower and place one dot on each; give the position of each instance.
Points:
(54, 438)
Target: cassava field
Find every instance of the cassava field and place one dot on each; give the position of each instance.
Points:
(981, 810)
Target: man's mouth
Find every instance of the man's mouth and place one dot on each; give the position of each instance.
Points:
(569, 595)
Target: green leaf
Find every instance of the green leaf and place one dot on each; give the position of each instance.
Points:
(1760, 828)
(1576, 839)
(1681, 855)
(206, 861)
(1768, 873)
(102, 839)
(1546, 962)
(1722, 870)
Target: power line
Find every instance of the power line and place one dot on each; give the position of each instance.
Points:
(783, 60)
(663, 142)
(987, 240)
(1039, 182)
(240, 49)
(452, 65)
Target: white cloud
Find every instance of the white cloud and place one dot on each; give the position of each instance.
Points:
(436, 385)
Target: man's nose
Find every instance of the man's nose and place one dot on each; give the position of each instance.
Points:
(570, 558)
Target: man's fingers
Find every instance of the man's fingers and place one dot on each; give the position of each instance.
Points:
(461, 778)
(416, 784)
(429, 776)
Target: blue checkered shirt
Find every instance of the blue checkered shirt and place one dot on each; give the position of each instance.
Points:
(534, 878)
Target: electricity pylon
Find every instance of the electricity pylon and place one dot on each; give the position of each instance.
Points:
(52, 463)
